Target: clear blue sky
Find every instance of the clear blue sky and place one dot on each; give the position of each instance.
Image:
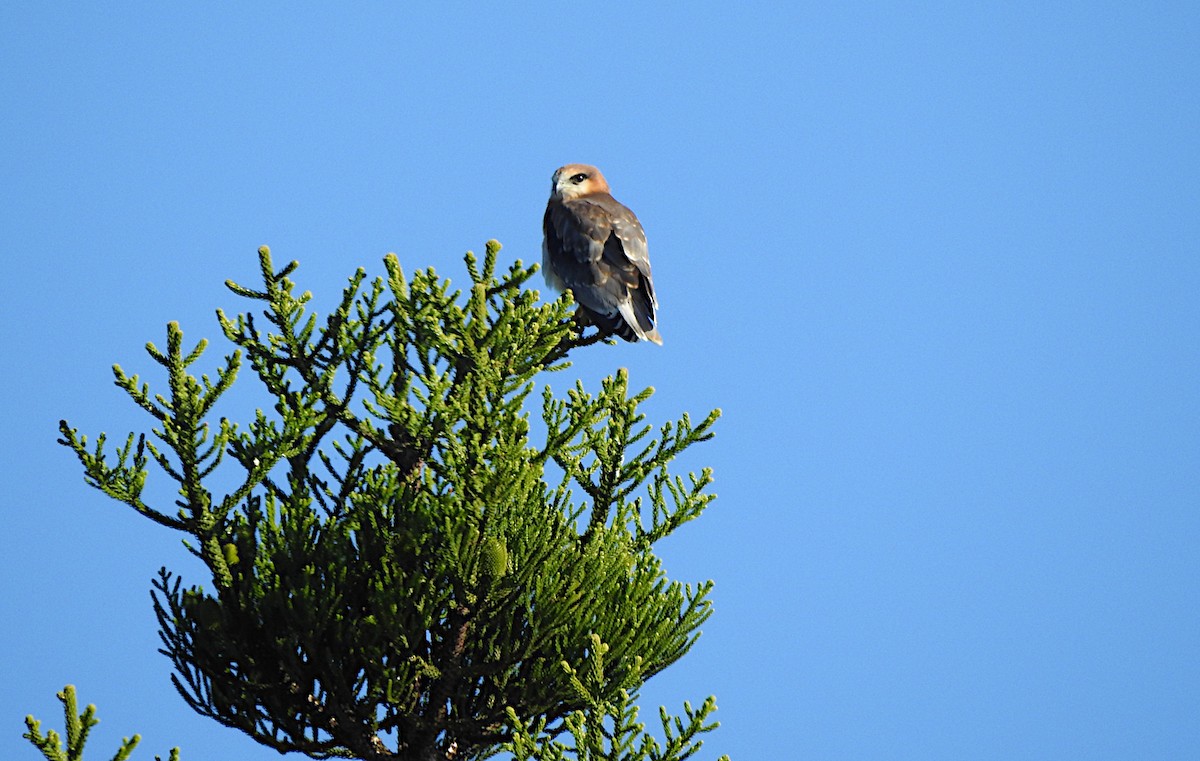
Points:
(937, 262)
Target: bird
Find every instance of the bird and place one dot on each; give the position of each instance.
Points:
(595, 247)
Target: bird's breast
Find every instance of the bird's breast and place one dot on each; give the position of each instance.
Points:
(552, 278)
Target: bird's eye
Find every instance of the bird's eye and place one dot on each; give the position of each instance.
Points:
(578, 178)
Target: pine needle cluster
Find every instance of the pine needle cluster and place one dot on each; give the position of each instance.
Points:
(78, 726)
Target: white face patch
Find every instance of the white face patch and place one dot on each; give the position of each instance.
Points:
(568, 185)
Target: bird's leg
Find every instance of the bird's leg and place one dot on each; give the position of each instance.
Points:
(582, 321)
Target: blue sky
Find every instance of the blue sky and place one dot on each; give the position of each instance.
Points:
(937, 263)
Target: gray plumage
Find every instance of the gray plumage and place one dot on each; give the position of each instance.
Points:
(595, 247)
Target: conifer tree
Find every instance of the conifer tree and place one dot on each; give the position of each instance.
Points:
(403, 566)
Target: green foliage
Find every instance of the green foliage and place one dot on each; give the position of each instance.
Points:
(607, 727)
(78, 727)
(400, 570)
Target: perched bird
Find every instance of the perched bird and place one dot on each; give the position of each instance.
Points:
(595, 248)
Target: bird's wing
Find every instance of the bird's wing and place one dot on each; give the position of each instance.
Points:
(596, 247)
(628, 253)
(574, 242)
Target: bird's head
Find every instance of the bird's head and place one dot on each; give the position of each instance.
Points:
(575, 180)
